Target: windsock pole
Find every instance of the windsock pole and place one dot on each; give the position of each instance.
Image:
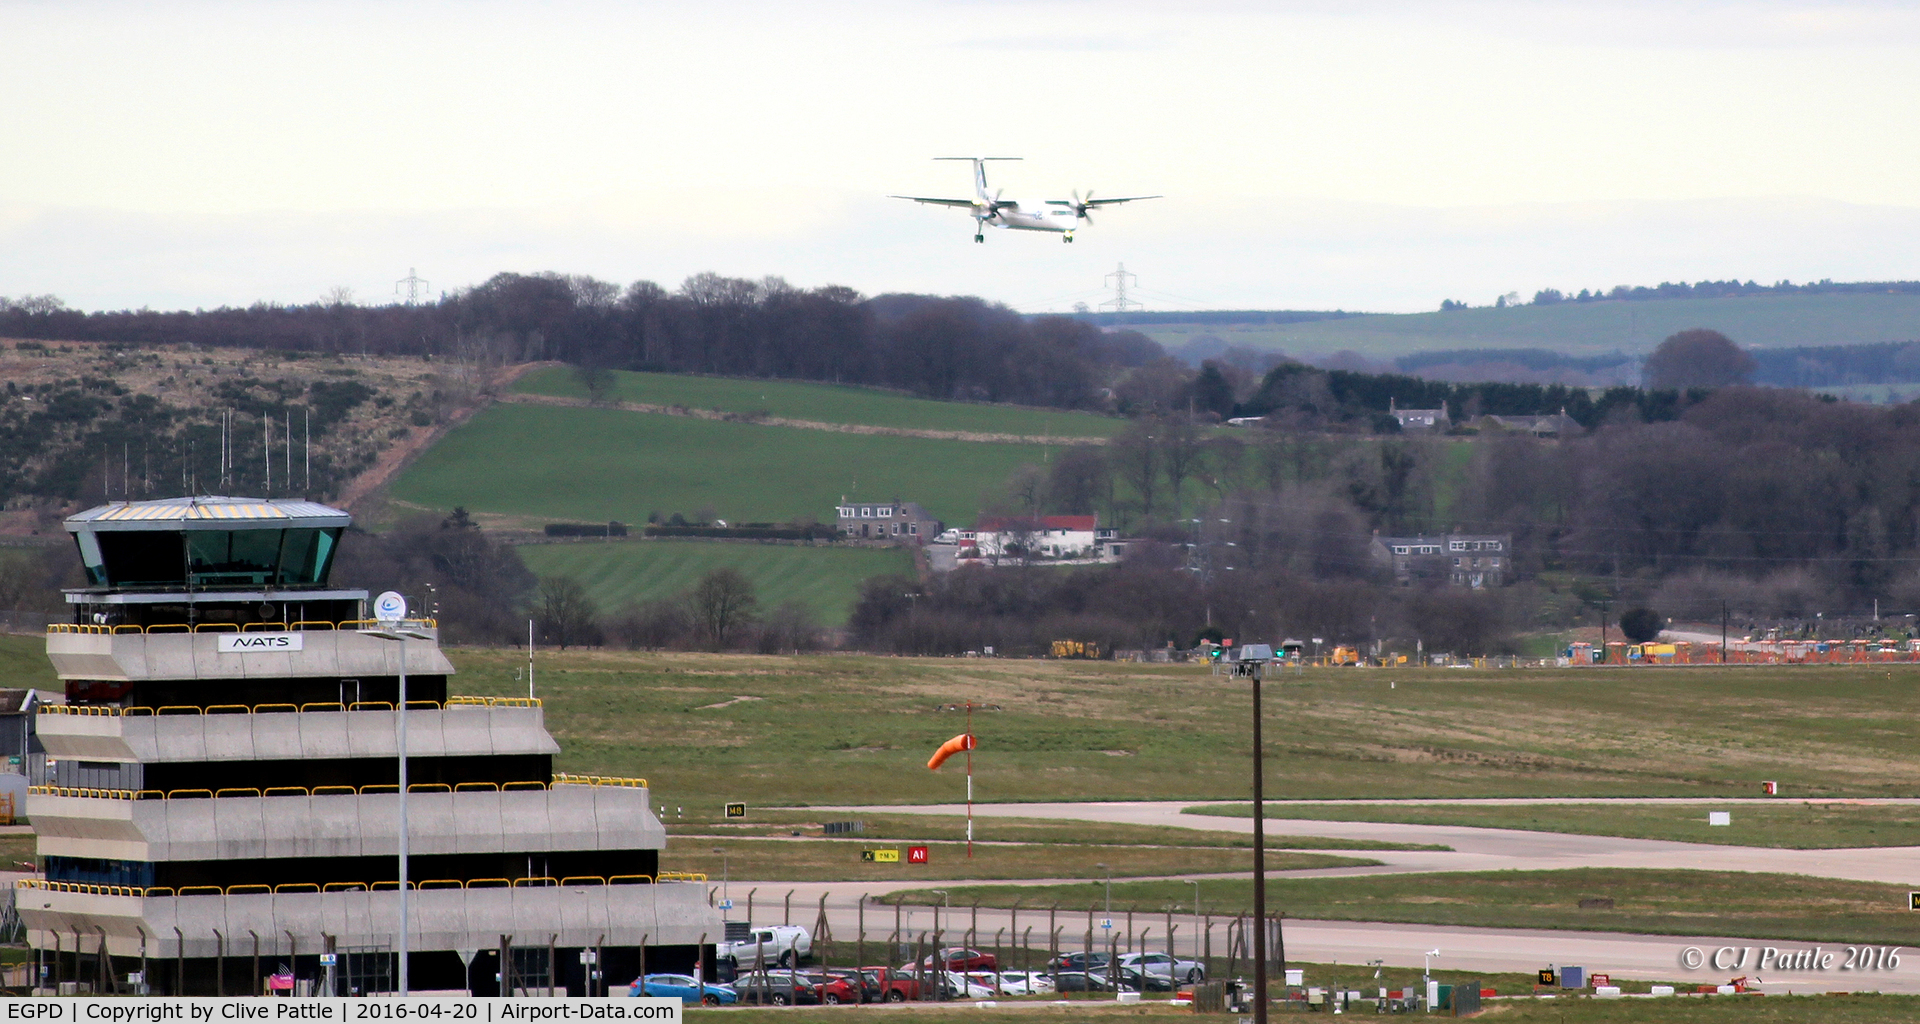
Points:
(969, 780)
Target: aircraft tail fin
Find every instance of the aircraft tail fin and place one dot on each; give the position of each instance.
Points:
(979, 172)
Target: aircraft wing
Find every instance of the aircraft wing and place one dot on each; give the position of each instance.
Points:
(938, 202)
(1123, 199)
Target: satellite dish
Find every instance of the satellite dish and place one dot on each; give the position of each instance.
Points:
(389, 607)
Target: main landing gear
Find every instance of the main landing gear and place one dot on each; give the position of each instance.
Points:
(1067, 238)
(979, 238)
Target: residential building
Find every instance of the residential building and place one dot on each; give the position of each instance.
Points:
(1417, 420)
(1462, 559)
(901, 522)
(225, 789)
(997, 537)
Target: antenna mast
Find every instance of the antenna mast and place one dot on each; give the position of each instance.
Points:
(1120, 303)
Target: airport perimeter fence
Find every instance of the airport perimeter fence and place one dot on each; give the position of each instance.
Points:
(1046, 938)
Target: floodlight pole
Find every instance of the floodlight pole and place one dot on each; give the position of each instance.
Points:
(1259, 861)
(401, 636)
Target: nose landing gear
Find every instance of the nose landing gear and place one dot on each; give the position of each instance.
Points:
(979, 238)
(1067, 238)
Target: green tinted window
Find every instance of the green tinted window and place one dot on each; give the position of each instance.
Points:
(228, 558)
(305, 556)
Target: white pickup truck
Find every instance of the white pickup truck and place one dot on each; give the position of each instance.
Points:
(780, 945)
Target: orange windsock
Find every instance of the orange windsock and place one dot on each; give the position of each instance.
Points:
(964, 741)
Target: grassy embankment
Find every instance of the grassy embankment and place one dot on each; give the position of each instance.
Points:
(1650, 902)
(1768, 321)
(1794, 825)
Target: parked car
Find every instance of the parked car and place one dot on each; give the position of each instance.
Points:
(956, 958)
(689, 991)
(1131, 980)
(1025, 983)
(794, 988)
(780, 945)
(1081, 981)
(1078, 962)
(1165, 966)
(963, 986)
(896, 986)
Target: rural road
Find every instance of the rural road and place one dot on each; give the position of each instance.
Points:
(1643, 957)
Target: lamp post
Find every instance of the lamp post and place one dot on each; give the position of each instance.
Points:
(1252, 663)
(1426, 973)
(392, 632)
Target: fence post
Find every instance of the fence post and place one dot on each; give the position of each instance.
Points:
(786, 913)
(219, 961)
(860, 940)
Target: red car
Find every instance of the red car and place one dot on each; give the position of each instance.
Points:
(959, 959)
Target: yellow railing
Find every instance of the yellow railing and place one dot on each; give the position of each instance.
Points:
(303, 626)
(566, 779)
(371, 789)
(294, 888)
(281, 708)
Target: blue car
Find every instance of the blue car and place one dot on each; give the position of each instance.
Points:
(690, 992)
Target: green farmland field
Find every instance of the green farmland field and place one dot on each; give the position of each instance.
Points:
(531, 464)
(619, 573)
(826, 403)
(1766, 321)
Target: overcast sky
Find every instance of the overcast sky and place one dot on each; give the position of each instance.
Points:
(1377, 156)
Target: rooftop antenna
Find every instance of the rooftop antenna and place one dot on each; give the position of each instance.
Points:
(414, 284)
(1120, 303)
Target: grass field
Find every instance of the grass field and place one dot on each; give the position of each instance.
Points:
(845, 729)
(1770, 321)
(616, 574)
(1794, 825)
(1648, 902)
(23, 662)
(527, 465)
(826, 403)
(914, 827)
(832, 860)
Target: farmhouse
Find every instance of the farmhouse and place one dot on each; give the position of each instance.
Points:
(1462, 559)
(902, 522)
(1035, 537)
(1432, 420)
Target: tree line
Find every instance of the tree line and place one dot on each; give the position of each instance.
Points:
(938, 347)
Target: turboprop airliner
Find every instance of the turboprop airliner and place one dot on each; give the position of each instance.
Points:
(1060, 216)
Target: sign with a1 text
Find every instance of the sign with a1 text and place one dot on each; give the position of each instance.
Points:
(260, 643)
(880, 856)
(916, 855)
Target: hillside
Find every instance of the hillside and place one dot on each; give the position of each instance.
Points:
(821, 403)
(1590, 328)
(84, 422)
(524, 465)
(824, 580)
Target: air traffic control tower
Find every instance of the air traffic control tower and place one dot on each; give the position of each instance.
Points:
(222, 805)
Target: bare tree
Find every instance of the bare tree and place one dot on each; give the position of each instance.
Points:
(1182, 447)
(567, 615)
(723, 601)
